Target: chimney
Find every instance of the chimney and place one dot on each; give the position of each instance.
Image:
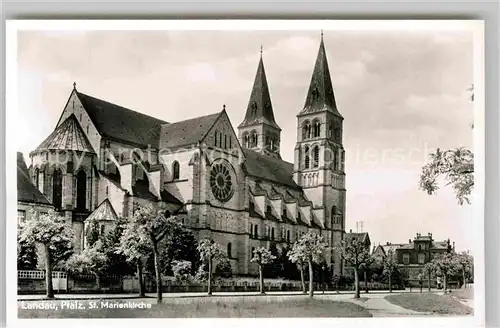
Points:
(387, 243)
(350, 230)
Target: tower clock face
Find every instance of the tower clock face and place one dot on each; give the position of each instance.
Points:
(221, 182)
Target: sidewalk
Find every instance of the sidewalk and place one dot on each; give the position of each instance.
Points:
(38, 297)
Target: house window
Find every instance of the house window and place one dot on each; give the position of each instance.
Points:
(419, 248)
(21, 216)
(255, 232)
(334, 211)
(229, 250)
(421, 258)
(406, 258)
(272, 233)
(175, 170)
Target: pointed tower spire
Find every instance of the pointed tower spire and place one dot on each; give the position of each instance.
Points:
(320, 96)
(260, 108)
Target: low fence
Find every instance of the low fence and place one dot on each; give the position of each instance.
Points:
(33, 282)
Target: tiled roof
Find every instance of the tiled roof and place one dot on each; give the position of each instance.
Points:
(26, 190)
(68, 135)
(269, 168)
(440, 245)
(260, 108)
(320, 96)
(121, 123)
(188, 132)
(104, 212)
(392, 247)
(358, 235)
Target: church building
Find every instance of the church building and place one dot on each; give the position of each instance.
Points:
(103, 160)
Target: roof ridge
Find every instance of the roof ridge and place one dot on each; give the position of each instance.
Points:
(195, 118)
(108, 102)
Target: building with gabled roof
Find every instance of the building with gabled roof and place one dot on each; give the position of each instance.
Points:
(103, 160)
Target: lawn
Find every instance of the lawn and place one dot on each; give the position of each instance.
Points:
(467, 293)
(204, 307)
(429, 302)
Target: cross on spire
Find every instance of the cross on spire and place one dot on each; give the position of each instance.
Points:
(261, 48)
(321, 35)
(74, 85)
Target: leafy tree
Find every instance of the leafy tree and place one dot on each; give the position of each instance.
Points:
(445, 264)
(149, 226)
(51, 231)
(390, 265)
(223, 268)
(465, 263)
(274, 268)
(428, 270)
(135, 251)
(26, 255)
(309, 249)
(182, 270)
(210, 251)
(91, 232)
(179, 245)
(262, 257)
(92, 259)
(355, 253)
(117, 262)
(456, 166)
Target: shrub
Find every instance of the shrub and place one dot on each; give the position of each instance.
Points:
(182, 270)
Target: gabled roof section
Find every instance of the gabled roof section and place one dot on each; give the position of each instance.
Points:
(26, 190)
(187, 132)
(121, 123)
(68, 135)
(269, 168)
(104, 212)
(260, 108)
(362, 236)
(320, 96)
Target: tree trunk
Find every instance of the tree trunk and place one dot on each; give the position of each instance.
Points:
(366, 281)
(390, 281)
(429, 282)
(302, 280)
(445, 283)
(48, 272)
(158, 274)
(141, 280)
(311, 286)
(209, 283)
(356, 283)
(463, 277)
(261, 279)
(98, 281)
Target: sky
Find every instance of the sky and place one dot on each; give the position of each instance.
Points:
(402, 94)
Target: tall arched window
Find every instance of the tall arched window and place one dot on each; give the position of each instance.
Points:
(216, 135)
(288, 236)
(316, 128)
(335, 159)
(220, 139)
(334, 211)
(175, 170)
(229, 250)
(254, 139)
(37, 177)
(246, 140)
(315, 156)
(272, 233)
(307, 158)
(306, 130)
(81, 190)
(57, 188)
(255, 232)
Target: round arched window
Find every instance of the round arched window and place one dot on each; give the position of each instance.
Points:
(221, 182)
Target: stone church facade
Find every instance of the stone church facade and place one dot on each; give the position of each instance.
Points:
(103, 160)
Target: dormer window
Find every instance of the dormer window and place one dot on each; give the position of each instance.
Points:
(268, 209)
(284, 213)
